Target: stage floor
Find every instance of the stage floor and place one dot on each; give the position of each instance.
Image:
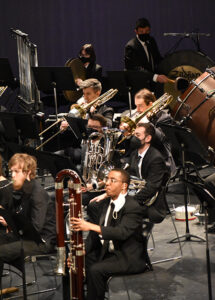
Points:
(184, 278)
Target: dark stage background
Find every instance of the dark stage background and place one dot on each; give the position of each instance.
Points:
(60, 27)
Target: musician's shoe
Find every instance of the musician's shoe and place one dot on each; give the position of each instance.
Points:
(211, 229)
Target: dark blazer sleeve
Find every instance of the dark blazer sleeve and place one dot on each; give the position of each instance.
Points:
(39, 207)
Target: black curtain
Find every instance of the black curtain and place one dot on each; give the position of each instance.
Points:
(60, 27)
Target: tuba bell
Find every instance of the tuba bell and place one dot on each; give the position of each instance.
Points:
(78, 71)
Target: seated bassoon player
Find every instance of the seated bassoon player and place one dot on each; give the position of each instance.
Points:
(115, 244)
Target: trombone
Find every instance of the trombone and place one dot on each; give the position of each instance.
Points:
(79, 111)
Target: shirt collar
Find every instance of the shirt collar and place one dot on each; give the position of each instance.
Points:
(119, 202)
(143, 153)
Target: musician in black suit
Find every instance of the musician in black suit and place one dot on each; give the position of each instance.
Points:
(147, 163)
(115, 243)
(142, 53)
(32, 220)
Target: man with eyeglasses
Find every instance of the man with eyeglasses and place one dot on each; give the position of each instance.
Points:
(115, 243)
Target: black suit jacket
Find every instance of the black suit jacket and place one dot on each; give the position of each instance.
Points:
(136, 58)
(126, 234)
(153, 171)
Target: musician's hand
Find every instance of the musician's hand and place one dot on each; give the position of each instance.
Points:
(64, 125)
(99, 198)
(92, 109)
(80, 224)
(2, 221)
(162, 79)
(86, 188)
(78, 81)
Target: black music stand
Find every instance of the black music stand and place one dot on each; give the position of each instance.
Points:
(183, 140)
(45, 160)
(54, 79)
(207, 201)
(118, 80)
(19, 125)
(6, 74)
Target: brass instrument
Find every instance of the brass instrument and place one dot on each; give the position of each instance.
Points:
(157, 106)
(98, 157)
(78, 71)
(2, 90)
(79, 111)
(77, 249)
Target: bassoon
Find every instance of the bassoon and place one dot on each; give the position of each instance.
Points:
(76, 249)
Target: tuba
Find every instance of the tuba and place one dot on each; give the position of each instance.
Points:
(77, 250)
(78, 71)
(157, 106)
(99, 156)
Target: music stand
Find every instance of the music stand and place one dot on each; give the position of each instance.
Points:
(118, 80)
(77, 125)
(53, 79)
(183, 139)
(208, 201)
(6, 74)
(19, 125)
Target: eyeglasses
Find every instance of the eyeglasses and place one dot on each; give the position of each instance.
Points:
(94, 127)
(112, 180)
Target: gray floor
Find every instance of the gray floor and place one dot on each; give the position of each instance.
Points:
(184, 278)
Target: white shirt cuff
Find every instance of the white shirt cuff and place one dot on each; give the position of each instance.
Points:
(155, 77)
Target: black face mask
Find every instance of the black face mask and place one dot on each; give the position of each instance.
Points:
(135, 143)
(144, 37)
(90, 131)
(84, 59)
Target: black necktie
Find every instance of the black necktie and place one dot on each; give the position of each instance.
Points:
(149, 57)
(110, 214)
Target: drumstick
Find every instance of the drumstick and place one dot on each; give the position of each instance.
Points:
(171, 80)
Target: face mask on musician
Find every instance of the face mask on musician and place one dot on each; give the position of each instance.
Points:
(90, 131)
(144, 37)
(84, 59)
(135, 143)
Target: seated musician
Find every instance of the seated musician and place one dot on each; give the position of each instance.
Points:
(115, 243)
(147, 163)
(144, 100)
(32, 219)
(91, 90)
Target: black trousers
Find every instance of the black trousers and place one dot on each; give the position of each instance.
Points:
(98, 274)
(10, 250)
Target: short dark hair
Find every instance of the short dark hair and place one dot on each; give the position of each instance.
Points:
(142, 23)
(125, 175)
(90, 51)
(97, 117)
(149, 128)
